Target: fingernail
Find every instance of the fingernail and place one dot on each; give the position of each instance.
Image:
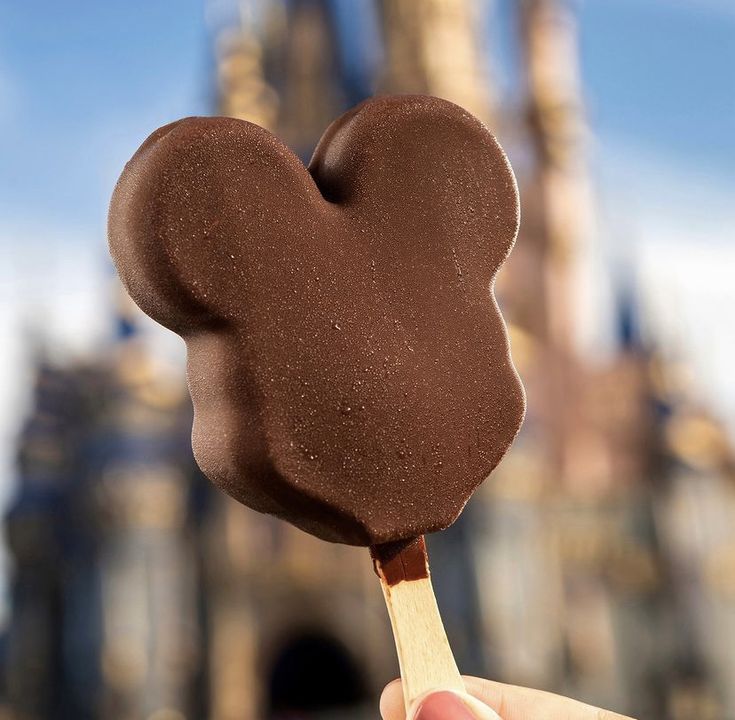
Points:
(443, 705)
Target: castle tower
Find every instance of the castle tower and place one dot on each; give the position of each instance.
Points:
(558, 204)
(52, 539)
(104, 619)
(145, 479)
(558, 227)
(596, 424)
(435, 48)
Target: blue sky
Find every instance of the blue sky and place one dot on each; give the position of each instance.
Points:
(659, 77)
(80, 84)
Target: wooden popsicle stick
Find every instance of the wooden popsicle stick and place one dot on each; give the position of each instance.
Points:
(424, 655)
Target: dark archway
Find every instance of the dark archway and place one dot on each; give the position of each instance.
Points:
(313, 674)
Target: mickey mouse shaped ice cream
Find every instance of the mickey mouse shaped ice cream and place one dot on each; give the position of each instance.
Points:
(348, 363)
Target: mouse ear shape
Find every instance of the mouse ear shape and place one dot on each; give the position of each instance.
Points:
(431, 160)
(184, 214)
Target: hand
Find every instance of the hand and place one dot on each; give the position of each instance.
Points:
(506, 701)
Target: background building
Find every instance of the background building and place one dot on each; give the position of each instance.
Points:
(598, 561)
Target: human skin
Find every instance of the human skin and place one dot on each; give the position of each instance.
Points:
(508, 701)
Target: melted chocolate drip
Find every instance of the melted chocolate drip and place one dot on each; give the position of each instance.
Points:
(402, 560)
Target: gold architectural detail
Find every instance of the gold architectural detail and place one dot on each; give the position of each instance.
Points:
(435, 48)
(243, 90)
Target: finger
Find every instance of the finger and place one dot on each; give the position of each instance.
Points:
(519, 703)
(438, 705)
(509, 701)
(391, 702)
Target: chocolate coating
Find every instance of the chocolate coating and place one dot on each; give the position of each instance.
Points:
(347, 360)
(401, 560)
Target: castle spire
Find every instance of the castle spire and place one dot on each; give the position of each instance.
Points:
(435, 48)
(557, 211)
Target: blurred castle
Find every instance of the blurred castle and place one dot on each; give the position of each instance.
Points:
(598, 561)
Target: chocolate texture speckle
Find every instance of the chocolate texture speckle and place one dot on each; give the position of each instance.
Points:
(348, 363)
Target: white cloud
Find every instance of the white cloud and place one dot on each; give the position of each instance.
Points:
(689, 293)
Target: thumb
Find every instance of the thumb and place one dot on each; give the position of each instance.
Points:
(448, 705)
